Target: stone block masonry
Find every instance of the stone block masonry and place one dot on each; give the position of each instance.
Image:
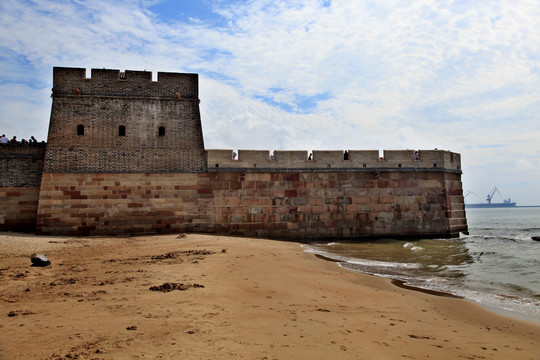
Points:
(18, 208)
(296, 205)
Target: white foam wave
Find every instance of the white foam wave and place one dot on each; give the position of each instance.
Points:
(413, 247)
(384, 264)
(503, 238)
(361, 262)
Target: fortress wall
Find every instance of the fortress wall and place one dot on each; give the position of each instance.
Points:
(334, 159)
(20, 177)
(335, 204)
(455, 201)
(125, 155)
(289, 204)
(21, 164)
(94, 204)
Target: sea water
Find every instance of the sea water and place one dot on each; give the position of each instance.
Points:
(497, 265)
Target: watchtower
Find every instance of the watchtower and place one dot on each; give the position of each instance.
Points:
(123, 122)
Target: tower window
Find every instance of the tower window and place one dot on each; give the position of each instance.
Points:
(121, 130)
(161, 131)
(80, 129)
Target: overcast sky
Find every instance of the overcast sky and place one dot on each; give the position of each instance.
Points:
(460, 75)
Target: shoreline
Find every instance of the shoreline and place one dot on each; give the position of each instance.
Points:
(400, 283)
(240, 297)
(396, 282)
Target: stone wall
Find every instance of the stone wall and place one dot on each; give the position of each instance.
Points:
(297, 205)
(18, 208)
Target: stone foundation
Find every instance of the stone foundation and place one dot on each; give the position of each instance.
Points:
(297, 205)
(18, 208)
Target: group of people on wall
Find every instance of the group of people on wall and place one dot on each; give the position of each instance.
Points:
(310, 157)
(5, 140)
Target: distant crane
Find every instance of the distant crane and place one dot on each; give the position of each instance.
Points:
(489, 203)
(468, 193)
(491, 193)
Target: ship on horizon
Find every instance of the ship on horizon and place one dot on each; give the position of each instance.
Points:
(505, 204)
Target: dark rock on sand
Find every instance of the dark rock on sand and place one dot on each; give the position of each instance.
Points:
(39, 260)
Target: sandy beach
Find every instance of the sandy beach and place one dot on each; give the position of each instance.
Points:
(217, 297)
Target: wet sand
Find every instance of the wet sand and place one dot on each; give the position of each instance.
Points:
(217, 297)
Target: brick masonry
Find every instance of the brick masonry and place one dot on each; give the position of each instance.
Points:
(21, 166)
(124, 122)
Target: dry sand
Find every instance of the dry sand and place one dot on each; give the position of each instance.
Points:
(240, 298)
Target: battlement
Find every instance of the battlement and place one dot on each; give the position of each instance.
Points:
(113, 82)
(334, 159)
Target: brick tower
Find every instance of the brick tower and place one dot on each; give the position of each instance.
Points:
(123, 122)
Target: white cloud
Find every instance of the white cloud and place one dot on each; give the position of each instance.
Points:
(422, 74)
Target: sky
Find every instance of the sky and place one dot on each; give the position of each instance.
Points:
(461, 75)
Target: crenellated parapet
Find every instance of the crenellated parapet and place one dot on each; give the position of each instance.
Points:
(113, 82)
(335, 159)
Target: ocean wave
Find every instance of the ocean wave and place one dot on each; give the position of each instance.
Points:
(508, 238)
(383, 264)
(412, 247)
